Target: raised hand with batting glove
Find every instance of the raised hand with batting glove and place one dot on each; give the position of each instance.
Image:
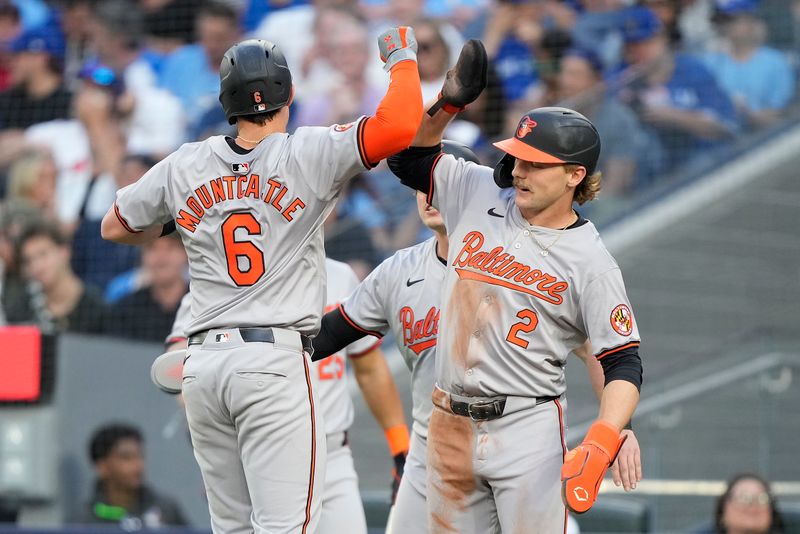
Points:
(396, 45)
(585, 466)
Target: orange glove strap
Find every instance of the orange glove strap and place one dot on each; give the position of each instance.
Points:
(605, 437)
(398, 439)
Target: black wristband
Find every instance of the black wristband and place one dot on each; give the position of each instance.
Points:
(168, 228)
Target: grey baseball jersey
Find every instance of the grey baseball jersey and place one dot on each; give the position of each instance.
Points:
(519, 298)
(402, 295)
(251, 223)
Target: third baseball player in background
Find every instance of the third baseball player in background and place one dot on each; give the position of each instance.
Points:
(528, 280)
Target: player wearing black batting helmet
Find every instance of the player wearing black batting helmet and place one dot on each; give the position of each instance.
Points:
(459, 150)
(254, 79)
(549, 135)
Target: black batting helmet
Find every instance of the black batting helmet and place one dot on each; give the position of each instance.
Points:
(549, 135)
(459, 150)
(254, 79)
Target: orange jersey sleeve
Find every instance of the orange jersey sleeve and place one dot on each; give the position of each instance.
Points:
(397, 118)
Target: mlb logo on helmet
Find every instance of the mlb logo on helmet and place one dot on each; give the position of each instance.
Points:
(258, 101)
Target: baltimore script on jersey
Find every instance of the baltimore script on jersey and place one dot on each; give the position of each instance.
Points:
(503, 266)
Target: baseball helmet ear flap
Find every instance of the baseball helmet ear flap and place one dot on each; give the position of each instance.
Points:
(459, 151)
(502, 171)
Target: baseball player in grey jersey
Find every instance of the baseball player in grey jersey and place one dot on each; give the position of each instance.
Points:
(528, 281)
(402, 296)
(249, 211)
(342, 510)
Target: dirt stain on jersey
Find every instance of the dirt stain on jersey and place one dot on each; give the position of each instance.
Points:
(465, 299)
(450, 443)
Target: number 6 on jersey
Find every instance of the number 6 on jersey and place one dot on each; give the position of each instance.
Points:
(242, 249)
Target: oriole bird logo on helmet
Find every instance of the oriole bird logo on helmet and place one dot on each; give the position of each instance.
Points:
(525, 127)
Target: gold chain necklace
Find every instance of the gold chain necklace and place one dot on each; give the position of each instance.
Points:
(546, 249)
(249, 141)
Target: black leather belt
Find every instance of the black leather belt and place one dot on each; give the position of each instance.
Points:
(485, 410)
(253, 335)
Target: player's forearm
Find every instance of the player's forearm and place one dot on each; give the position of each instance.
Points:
(112, 229)
(398, 116)
(593, 368)
(617, 403)
(432, 129)
(380, 392)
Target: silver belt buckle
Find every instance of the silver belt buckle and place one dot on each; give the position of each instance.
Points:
(479, 405)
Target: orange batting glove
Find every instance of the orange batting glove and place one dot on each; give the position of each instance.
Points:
(585, 466)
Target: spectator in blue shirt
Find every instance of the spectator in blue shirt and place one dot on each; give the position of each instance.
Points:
(673, 94)
(758, 78)
(192, 72)
(512, 31)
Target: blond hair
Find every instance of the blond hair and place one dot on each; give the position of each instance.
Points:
(588, 188)
(23, 177)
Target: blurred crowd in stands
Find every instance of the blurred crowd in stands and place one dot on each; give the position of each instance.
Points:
(93, 93)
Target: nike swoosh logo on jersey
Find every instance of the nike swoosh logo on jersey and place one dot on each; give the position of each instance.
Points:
(411, 282)
(494, 214)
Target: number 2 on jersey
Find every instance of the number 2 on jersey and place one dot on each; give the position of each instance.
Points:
(527, 325)
(242, 249)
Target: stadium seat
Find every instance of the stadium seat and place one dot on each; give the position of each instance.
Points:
(791, 517)
(616, 515)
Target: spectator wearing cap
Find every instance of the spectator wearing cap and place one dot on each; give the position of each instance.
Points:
(759, 79)
(217, 29)
(581, 87)
(37, 93)
(120, 495)
(673, 94)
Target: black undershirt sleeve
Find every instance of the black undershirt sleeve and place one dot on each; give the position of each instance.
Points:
(623, 365)
(414, 166)
(334, 335)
